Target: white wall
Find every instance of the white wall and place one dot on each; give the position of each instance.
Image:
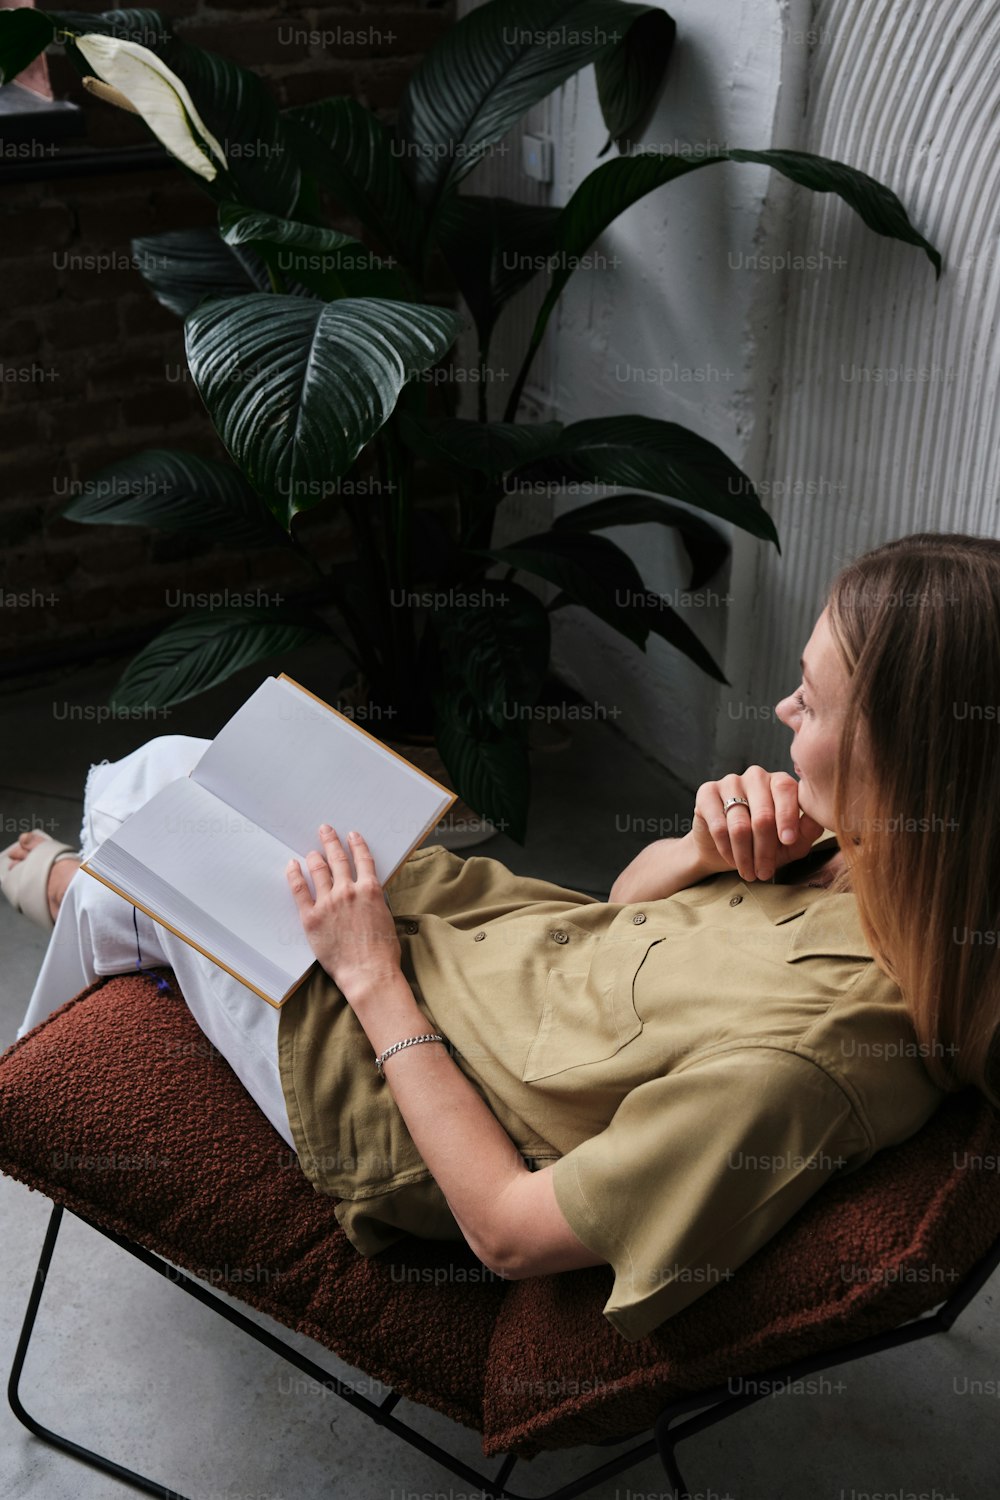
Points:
(664, 296)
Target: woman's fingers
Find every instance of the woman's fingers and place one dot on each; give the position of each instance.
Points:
(334, 851)
(349, 927)
(749, 838)
(326, 867)
(320, 872)
(747, 835)
(364, 861)
(751, 830)
(299, 886)
(785, 792)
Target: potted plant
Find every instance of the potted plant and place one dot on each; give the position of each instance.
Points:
(310, 348)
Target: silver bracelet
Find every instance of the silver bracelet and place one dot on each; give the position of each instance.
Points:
(429, 1036)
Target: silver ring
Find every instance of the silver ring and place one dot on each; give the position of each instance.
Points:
(734, 802)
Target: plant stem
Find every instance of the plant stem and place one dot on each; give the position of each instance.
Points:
(308, 557)
(401, 467)
(368, 553)
(401, 498)
(411, 287)
(389, 555)
(522, 375)
(358, 651)
(483, 411)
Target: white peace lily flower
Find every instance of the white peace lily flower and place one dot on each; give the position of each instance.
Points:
(156, 93)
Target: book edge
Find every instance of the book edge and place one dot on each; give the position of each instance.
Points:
(186, 938)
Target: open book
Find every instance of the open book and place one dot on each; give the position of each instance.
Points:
(206, 856)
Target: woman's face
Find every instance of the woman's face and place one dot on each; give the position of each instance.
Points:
(814, 712)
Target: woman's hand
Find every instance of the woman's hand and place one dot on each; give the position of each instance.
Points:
(753, 840)
(349, 926)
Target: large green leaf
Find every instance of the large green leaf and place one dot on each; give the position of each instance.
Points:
(24, 34)
(234, 103)
(629, 75)
(499, 647)
(329, 263)
(176, 491)
(490, 448)
(604, 579)
(615, 186)
(493, 247)
(497, 62)
(308, 206)
(240, 225)
(297, 388)
(648, 454)
(665, 622)
(874, 203)
(706, 547)
(184, 266)
(589, 568)
(349, 152)
(205, 648)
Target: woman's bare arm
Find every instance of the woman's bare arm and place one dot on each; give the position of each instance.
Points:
(507, 1213)
(661, 869)
(754, 840)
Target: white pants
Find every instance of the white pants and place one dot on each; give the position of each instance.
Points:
(95, 934)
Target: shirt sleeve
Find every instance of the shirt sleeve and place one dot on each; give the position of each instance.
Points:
(701, 1167)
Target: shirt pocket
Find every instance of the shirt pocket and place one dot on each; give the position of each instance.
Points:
(588, 1015)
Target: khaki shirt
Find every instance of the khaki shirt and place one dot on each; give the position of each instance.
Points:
(696, 1067)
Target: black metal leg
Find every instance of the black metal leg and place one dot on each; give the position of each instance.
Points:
(665, 1447)
(718, 1403)
(711, 1405)
(492, 1488)
(85, 1455)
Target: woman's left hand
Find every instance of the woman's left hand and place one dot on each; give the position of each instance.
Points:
(349, 926)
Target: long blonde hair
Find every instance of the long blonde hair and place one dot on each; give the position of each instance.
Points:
(917, 624)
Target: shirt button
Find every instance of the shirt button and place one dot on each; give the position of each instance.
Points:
(479, 937)
(560, 937)
(640, 916)
(411, 927)
(735, 900)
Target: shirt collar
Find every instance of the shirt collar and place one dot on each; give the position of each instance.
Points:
(780, 903)
(829, 923)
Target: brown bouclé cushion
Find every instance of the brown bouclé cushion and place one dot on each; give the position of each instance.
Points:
(867, 1253)
(117, 1106)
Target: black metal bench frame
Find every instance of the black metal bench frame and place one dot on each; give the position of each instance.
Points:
(712, 1405)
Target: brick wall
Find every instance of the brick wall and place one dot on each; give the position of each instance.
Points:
(93, 368)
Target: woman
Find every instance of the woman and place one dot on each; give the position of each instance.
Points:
(657, 1082)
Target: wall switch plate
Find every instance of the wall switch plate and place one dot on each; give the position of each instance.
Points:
(536, 158)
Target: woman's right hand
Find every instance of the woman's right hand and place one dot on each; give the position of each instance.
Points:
(749, 839)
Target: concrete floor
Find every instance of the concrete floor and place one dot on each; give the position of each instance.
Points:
(123, 1362)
